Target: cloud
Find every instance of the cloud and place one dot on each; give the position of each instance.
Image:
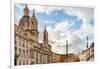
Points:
(60, 32)
(16, 18)
(58, 36)
(81, 12)
(86, 29)
(43, 9)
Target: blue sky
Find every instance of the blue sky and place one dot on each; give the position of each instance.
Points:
(63, 23)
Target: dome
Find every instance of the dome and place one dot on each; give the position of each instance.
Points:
(23, 20)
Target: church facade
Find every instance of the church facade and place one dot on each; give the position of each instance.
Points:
(28, 50)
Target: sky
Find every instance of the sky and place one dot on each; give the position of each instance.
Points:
(62, 23)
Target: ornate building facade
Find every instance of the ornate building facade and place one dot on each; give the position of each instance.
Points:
(28, 50)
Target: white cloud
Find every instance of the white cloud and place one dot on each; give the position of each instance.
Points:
(61, 27)
(76, 38)
(16, 19)
(41, 36)
(86, 29)
(58, 36)
(82, 13)
(43, 9)
(78, 11)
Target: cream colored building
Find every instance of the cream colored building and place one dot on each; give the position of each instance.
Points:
(88, 54)
(91, 52)
(28, 50)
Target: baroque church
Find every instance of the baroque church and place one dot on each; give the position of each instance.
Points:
(28, 50)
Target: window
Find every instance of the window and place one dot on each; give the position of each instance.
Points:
(40, 58)
(24, 52)
(20, 41)
(23, 44)
(15, 62)
(20, 51)
(15, 42)
(26, 43)
(36, 57)
(27, 62)
(23, 62)
(27, 52)
(15, 50)
(19, 62)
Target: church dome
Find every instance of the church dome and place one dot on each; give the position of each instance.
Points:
(23, 20)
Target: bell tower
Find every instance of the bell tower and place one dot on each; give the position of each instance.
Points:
(45, 37)
(34, 25)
